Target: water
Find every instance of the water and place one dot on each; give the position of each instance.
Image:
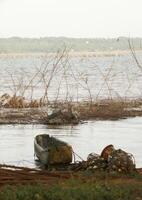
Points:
(116, 76)
(17, 141)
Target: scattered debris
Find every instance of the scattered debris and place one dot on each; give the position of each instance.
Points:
(121, 161)
(116, 161)
(110, 160)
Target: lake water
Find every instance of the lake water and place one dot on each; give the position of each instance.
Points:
(75, 78)
(116, 76)
(17, 141)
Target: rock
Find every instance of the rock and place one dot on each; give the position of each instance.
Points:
(92, 156)
(112, 160)
(95, 161)
(66, 116)
(121, 161)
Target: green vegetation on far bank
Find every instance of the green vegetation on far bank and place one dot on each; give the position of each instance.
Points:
(53, 44)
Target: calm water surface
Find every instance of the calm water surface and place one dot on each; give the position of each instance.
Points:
(17, 141)
(116, 76)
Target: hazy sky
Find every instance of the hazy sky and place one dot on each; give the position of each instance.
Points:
(72, 18)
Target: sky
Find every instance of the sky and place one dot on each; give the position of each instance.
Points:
(71, 18)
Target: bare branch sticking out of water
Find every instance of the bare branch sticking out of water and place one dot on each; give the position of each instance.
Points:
(134, 54)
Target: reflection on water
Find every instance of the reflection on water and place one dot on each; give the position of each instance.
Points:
(17, 141)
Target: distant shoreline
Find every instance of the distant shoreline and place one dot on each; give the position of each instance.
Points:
(72, 54)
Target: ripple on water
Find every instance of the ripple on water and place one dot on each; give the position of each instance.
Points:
(17, 141)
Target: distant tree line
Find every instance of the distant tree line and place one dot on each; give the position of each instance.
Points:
(53, 44)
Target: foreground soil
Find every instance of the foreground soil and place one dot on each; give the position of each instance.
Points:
(11, 175)
(24, 183)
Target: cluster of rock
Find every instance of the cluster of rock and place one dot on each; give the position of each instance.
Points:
(14, 101)
(110, 160)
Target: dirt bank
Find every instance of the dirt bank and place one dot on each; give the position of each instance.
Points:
(103, 110)
(21, 116)
(12, 175)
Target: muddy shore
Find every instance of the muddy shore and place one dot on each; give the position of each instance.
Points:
(13, 175)
(21, 116)
(104, 110)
